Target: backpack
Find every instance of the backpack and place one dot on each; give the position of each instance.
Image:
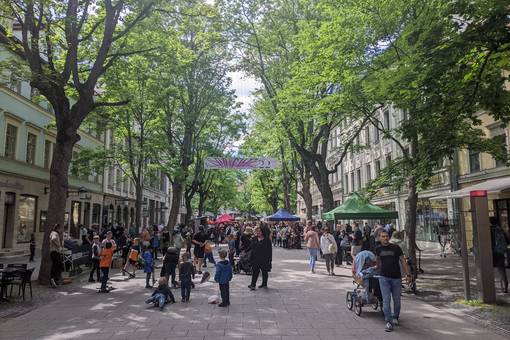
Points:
(500, 242)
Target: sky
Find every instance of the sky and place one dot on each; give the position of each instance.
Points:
(244, 86)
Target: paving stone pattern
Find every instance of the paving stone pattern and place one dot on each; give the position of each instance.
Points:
(298, 305)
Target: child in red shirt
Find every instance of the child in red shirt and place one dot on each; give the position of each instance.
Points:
(105, 263)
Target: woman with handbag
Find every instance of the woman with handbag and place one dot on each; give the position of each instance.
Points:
(329, 249)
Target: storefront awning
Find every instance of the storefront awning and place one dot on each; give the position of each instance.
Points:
(492, 186)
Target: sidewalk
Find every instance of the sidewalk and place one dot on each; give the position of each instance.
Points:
(298, 305)
(442, 285)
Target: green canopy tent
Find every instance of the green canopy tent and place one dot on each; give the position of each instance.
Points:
(356, 207)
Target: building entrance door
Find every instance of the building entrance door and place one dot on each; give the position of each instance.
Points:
(9, 217)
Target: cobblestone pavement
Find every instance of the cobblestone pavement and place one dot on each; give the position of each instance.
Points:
(297, 306)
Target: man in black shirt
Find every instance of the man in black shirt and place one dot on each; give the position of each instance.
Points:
(198, 252)
(389, 259)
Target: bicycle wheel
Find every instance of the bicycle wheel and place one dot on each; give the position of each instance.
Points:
(349, 301)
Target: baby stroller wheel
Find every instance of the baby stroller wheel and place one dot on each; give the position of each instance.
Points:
(349, 301)
(357, 307)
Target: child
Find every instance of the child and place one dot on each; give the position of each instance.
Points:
(223, 277)
(185, 272)
(148, 265)
(105, 263)
(208, 253)
(170, 262)
(32, 247)
(95, 251)
(133, 258)
(231, 249)
(162, 294)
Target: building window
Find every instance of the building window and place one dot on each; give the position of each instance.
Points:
(388, 160)
(367, 136)
(48, 148)
(96, 213)
(377, 167)
(11, 136)
(501, 139)
(110, 178)
(346, 184)
(131, 187)
(27, 214)
(386, 119)
(15, 83)
(474, 161)
(376, 135)
(352, 181)
(31, 145)
(369, 173)
(358, 175)
(118, 180)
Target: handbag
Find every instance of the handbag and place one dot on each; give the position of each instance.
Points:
(332, 248)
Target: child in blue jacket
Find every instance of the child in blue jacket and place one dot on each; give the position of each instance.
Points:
(223, 276)
(148, 265)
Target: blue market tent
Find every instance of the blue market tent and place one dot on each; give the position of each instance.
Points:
(282, 215)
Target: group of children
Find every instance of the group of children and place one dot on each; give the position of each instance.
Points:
(102, 257)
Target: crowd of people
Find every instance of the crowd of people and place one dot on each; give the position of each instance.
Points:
(247, 247)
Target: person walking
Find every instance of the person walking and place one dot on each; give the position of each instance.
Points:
(329, 249)
(389, 258)
(198, 251)
(313, 244)
(95, 255)
(499, 242)
(261, 257)
(32, 247)
(55, 255)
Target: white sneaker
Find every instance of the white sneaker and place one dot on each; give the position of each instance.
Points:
(53, 283)
(389, 327)
(395, 322)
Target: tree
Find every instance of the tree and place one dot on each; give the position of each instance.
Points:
(68, 47)
(197, 97)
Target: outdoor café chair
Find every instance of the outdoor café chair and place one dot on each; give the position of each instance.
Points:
(17, 265)
(21, 279)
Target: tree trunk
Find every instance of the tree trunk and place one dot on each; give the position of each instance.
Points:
(307, 197)
(62, 156)
(174, 205)
(201, 204)
(321, 177)
(138, 205)
(410, 227)
(189, 209)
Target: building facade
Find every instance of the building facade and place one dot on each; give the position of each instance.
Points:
(26, 150)
(434, 204)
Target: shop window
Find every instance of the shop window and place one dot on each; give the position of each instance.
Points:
(96, 213)
(474, 160)
(43, 216)
(11, 136)
(48, 148)
(31, 146)
(27, 214)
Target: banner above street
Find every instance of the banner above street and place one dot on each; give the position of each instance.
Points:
(240, 163)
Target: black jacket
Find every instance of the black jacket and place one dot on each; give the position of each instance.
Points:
(262, 253)
(165, 290)
(185, 272)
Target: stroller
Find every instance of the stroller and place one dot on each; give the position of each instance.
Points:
(367, 291)
(244, 263)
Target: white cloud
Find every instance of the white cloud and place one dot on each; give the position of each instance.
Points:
(244, 86)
